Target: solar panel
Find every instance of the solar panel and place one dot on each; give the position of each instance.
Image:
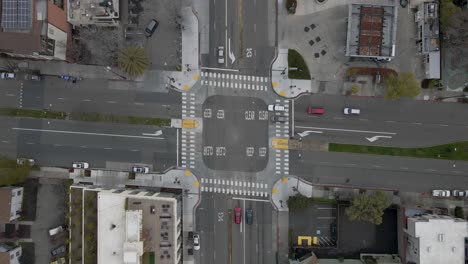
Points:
(16, 15)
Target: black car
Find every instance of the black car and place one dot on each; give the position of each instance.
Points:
(58, 250)
(249, 216)
(404, 3)
(152, 25)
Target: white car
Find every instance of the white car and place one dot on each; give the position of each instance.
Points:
(25, 161)
(196, 242)
(221, 55)
(7, 75)
(441, 193)
(80, 165)
(140, 169)
(351, 111)
(277, 108)
(457, 193)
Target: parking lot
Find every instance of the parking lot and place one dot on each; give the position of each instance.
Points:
(319, 220)
(51, 212)
(234, 133)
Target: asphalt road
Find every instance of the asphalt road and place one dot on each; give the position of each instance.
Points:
(406, 123)
(223, 241)
(97, 95)
(245, 31)
(59, 143)
(234, 135)
(377, 171)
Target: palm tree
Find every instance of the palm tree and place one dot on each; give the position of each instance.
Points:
(133, 60)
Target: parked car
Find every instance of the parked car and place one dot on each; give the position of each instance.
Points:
(277, 108)
(351, 111)
(55, 231)
(80, 165)
(237, 215)
(58, 261)
(249, 216)
(279, 119)
(221, 55)
(151, 27)
(140, 169)
(58, 250)
(404, 3)
(441, 193)
(7, 75)
(196, 242)
(34, 77)
(315, 110)
(457, 193)
(25, 161)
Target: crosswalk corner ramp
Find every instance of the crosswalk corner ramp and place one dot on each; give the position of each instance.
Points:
(187, 173)
(196, 184)
(274, 190)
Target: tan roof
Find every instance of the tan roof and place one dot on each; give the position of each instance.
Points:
(5, 257)
(5, 200)
(22, 43)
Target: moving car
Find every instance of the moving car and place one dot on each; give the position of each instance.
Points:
(140, 169)
(237, 215)
(7, 75)
(249, 216)
(196, 242)
(80, 165)
(351, 111)
(151, 27)
(315, 110)
(58, 250)
(441, 193)
(221, 55)
(25, 161)
(277, 108)
(279, 119)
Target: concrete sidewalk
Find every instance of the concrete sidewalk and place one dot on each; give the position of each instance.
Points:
(190, 73)
(286, 187)
(282, 85)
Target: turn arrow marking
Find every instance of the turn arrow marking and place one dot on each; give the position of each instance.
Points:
(307, 132)
(374, 138)
(157, 133)
(231, 54)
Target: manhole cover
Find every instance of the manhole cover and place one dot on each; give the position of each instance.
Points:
(316, 55)
(318, 39)
(306, 29)
(312, 26)
(311, 42)
(323, 52)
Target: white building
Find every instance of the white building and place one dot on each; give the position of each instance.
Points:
(435, 239)
(11, 201)
(10, 254)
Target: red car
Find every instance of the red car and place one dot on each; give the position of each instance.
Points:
(237, 215)
(315, 110)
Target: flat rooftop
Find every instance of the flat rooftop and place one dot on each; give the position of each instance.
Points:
(371, 30)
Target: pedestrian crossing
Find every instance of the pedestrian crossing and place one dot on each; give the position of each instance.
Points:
(282, 130)
(188, 136)
(234, 187)
(235, 81)
(188, 105)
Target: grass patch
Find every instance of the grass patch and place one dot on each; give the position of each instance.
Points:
(88, 117)
(12, 173)
(296, 60)
(76, 225)
(454, 151)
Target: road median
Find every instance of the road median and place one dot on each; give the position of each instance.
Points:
(453, 151)
(88, 117)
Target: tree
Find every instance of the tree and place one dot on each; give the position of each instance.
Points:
(447, 10)
(401, 85)
(459, 212)
(133, 60)
(354, 89)
(369, 208)
(298, 202)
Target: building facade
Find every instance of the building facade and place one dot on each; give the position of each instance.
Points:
(10, 254)
(11, 202)
(427, 19)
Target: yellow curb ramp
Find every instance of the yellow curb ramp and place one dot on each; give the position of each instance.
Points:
(189, 123)
(274, 190)
(284, 179)
(195, 77)
(196, 184)
(187, 172)
(186, 87)
(280, 143)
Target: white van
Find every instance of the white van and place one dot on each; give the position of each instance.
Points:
(55, 231)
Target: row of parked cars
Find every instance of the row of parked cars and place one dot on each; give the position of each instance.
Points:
(314, 110)
(12, 75)
(448, 193)
(135, 168)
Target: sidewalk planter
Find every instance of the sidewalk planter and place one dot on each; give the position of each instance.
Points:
(291, 6)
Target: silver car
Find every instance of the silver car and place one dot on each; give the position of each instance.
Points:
(140, 169)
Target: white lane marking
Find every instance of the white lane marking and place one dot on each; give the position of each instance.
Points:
(390, 121)
(416, 123)
(5, 141)
(83, 133)
(375, 138)
(9, 94)
(347, 130)
(444, 125)
(404, 168)
(307, 132)
(108, 148)
(61, 98)
(87, 100)
(250, 199)
(376, 166)
(156, 133)
(363, 119)
(429, 170)
(30, 143)
(140, 103)
(111, 102)
(349, 164)
(336, 117)
(219, 69)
